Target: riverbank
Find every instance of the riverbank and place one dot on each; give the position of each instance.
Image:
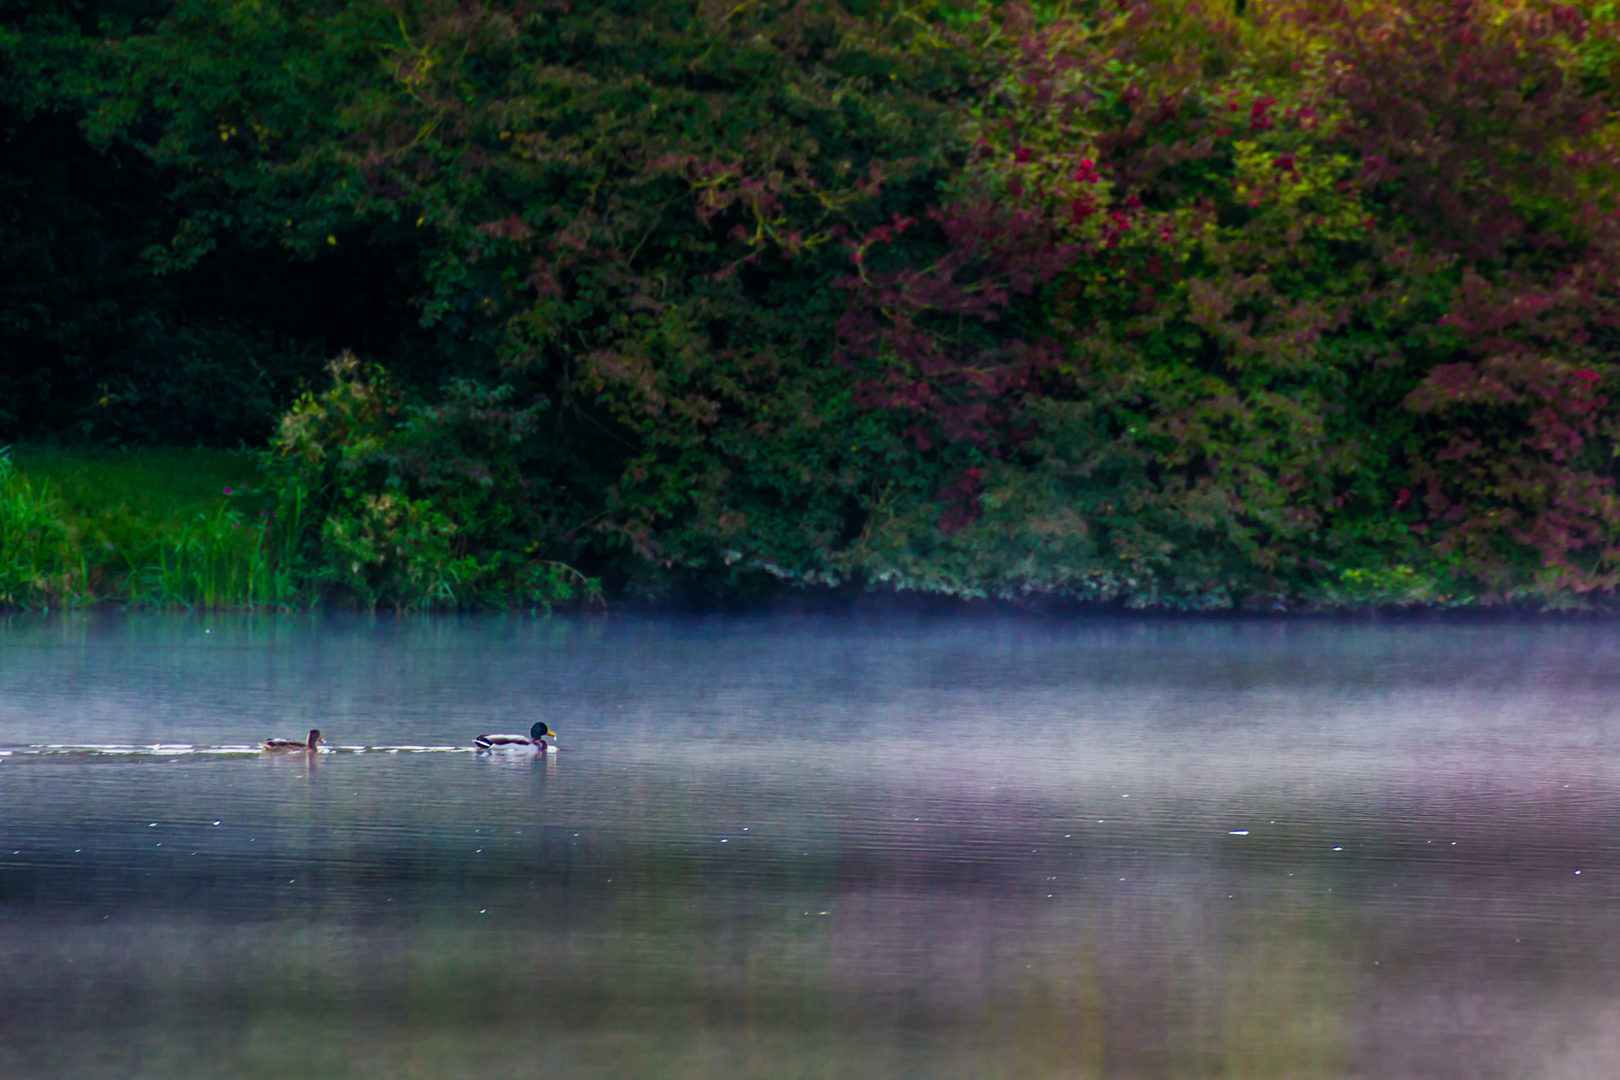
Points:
(166, 528)
(150, 527)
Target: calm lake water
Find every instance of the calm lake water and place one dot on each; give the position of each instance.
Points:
(810, 847)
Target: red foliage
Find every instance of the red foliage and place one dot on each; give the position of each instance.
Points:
(1510, 462)
(1476, 154)
(960, 500)
(1456, 110)
(957, 392)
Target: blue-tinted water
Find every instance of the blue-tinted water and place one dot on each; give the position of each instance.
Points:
(809, 847)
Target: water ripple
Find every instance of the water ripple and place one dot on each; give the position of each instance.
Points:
(183, 749)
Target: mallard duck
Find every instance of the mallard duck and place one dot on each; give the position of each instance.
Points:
(535, 740)
(293, 744)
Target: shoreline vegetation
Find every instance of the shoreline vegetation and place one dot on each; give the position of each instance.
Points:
(183, 529)
(198, 529)
(1162, 305)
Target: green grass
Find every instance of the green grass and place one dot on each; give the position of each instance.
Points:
(37, 558)
(142, 488)
(141, 527)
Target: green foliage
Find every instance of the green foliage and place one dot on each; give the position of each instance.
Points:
(1398, 586)
(201, 529)
(415, 506)
(105, 343)
(634, 210)
(214, 560)
(37, 563)
(1152, 304)
(148, 529)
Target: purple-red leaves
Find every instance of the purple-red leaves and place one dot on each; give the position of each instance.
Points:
(959, 501)
(510, 227)
(1240, 253)
(1260, 113)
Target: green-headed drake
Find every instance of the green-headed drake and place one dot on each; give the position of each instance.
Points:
(533, 742)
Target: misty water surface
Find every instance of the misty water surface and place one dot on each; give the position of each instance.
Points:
(810, 847)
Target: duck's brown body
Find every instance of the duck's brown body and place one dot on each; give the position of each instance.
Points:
(313, 741)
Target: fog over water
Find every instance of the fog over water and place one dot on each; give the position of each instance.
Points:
(809, 846)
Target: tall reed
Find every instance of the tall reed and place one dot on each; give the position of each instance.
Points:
(224, 558)
(38, 563)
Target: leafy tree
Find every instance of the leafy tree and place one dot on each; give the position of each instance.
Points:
(1220, 295)
(633, 210)
(1165, 304)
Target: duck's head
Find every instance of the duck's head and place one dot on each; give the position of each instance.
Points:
(540, 731)
(315, 737)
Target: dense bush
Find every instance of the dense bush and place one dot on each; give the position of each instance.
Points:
(415, 506)
(1251, 308)
(103, 340)
(1170, 304)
